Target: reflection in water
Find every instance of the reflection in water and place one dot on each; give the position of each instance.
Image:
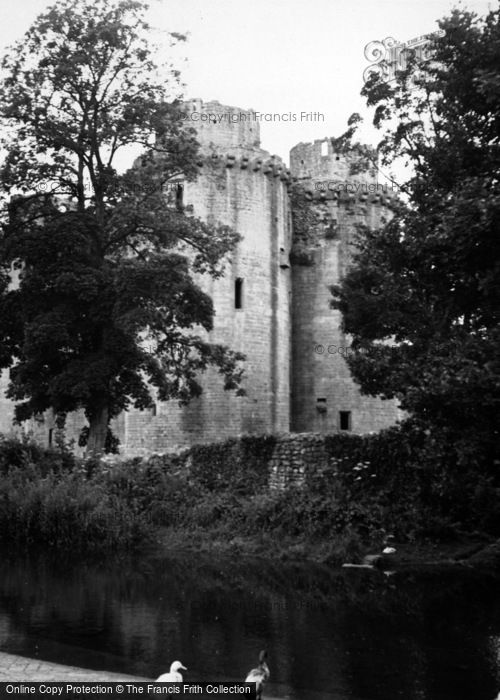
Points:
(346, 635)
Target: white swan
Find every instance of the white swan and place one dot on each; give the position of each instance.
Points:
(173, 676)
(259, 675)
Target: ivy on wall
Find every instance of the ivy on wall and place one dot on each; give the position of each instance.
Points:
(305, 221)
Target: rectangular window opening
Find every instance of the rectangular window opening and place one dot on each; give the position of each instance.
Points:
(51, 436)
(284, 259)
(179, 197)
(238, 293)
(321, 405)
(345, 420)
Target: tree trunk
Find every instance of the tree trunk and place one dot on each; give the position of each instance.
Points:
(98, 428)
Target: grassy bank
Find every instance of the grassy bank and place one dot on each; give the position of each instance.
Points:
(373, 486)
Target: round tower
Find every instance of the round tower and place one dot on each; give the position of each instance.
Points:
(328, 203)
(244, 187)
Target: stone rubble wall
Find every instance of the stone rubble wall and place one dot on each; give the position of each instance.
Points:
(295, 456)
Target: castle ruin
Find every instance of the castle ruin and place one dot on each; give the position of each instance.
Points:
(272, 303)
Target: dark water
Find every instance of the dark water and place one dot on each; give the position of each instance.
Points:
(341, 635)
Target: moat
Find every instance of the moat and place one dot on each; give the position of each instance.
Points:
(341, 634)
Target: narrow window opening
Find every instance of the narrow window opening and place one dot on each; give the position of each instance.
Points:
(321, 405)
(51, 436)
(345, 420)
(238, 293)
(284, 259)
(179, 197)
(154, 410)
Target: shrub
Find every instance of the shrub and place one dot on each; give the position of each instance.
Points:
(25, 452)
(239, 465)
(400, 481)
(65, 511)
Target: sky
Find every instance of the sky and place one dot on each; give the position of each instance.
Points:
(277, 56)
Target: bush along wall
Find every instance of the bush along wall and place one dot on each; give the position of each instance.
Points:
(307, 488)
(239, 465)
(401, 481)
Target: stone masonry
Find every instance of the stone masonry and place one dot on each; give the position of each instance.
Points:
(294, 456)
(271, 305)
(324, 396)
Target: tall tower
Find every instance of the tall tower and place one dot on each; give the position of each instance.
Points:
(329, 205)
(244, 187)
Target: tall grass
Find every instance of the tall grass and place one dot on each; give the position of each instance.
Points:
(48, 497)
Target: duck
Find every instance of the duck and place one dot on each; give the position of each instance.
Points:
(259, 675)
(173, 676)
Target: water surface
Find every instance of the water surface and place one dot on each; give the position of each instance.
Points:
(336, 634)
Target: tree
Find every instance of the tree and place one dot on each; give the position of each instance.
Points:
(422, 299)
(106, 262)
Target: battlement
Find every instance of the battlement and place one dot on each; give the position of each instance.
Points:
(230, 137)
(351, 192)
(319, 161)
(222, 126)
(264, 163)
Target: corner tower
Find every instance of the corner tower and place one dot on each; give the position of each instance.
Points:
(246, 188)
(329, 203)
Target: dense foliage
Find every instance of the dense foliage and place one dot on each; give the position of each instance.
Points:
(397, 482)
(422, 300)
(105, 303)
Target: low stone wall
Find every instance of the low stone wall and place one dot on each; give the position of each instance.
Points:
(293, 457)
(275, 462)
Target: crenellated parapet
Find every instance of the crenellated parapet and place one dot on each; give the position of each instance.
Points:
(222, 126)
(267, 165)
(354, 193)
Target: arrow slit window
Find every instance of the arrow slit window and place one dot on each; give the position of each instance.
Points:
(238, 293)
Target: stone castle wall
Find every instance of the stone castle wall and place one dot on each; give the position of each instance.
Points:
(6, 407)
(323, 388)
(251, 198)
(294, 458)
(242, 186)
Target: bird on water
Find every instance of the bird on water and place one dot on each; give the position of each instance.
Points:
(259, 675)
(173, 676)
